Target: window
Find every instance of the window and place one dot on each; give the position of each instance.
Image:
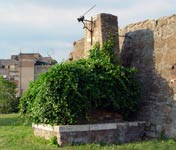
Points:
(12, 67)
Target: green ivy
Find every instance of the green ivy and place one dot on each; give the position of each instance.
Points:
(70, 90)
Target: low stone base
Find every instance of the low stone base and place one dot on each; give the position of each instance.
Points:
(106, 133)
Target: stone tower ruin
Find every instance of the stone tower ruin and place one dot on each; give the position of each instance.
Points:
(103, 26)
(151, 48)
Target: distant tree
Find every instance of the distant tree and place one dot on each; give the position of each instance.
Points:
(53, 62)
(8, 100)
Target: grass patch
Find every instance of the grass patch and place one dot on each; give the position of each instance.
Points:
(14, 135)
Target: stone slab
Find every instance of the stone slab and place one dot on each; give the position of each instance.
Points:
(108, 133)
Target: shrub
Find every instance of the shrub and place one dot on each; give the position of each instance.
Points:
(70, 90)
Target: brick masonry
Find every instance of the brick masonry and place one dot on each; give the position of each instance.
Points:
(150, 46)
(103, 25)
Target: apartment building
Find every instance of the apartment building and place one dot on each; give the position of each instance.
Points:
(24, 68)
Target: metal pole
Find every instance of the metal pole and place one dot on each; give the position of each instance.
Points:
(91, 31)
(20, 74)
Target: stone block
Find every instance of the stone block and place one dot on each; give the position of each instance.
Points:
(93, 133)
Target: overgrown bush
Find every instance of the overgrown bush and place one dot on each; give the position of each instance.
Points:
(70, 90)
(8, 100)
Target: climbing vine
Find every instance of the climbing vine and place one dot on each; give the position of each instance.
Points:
(70, 90)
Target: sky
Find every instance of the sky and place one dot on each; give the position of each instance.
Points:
(50, 27)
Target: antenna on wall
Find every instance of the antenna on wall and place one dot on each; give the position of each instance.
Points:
(84, 21)
(20, 51)
(48, 53)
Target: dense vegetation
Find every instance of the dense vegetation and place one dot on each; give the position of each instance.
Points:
(14, 135)
(70, 90)
(8, 100)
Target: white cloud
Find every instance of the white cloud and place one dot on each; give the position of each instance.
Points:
(43, 25)
(59, 50)
(141, 10)
(39, 16)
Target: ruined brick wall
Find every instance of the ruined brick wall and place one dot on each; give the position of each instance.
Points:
(78, 50)
(103, 25)
(150, 46)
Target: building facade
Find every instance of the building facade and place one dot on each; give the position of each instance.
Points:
(24, 68)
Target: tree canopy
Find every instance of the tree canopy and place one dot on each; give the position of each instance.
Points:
(8, 101)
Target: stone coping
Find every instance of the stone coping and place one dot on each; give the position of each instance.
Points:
(85, 127)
